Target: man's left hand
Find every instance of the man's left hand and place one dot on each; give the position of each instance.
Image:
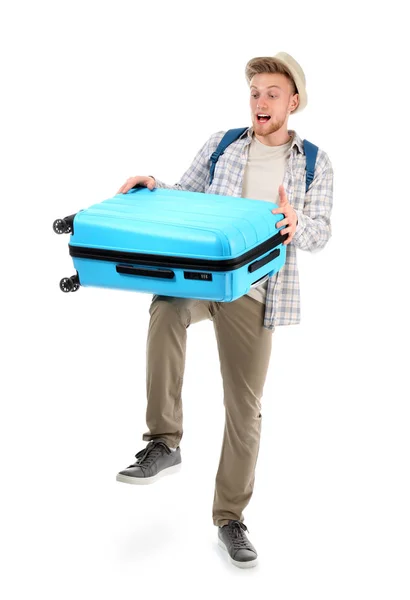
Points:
(291, 218)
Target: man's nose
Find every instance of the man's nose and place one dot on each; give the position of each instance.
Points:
(261, 103)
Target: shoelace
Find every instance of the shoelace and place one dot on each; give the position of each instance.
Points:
(147, 456)
(237, 537)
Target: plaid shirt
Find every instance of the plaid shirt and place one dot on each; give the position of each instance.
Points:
(313, 209)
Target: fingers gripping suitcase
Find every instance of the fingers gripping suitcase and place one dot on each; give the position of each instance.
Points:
(173, 243)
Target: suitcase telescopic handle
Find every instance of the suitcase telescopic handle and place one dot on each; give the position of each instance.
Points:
(159, 273)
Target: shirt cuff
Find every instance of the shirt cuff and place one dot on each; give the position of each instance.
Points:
(301, 226)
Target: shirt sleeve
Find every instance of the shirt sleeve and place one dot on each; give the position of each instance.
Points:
(197, 177)
(314, 230)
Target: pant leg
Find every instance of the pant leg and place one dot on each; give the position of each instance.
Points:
(165, 363)
(244, 347)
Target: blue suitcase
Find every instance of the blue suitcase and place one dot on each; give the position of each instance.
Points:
(173, 243)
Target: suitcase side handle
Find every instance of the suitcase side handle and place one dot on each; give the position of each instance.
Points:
(159, 273)
(260, 263)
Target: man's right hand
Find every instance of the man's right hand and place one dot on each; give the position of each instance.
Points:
(148, 182)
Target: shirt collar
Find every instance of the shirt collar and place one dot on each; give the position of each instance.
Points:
(296, 141)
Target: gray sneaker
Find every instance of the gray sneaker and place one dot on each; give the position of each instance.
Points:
(232, 538)
(154, 461)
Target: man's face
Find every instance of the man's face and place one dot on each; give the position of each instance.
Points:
(271, 96)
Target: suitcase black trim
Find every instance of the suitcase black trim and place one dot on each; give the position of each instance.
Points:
(177, 262)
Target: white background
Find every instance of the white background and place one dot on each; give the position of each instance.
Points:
(93, 93)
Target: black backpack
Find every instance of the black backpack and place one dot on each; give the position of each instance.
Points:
(233, 134)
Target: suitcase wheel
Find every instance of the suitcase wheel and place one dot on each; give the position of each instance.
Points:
(70, 284)
(62, 226)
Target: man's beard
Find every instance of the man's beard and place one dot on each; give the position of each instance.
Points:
(268, 128)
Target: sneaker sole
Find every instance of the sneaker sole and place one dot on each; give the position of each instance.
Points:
(148, 480)
(241, 564)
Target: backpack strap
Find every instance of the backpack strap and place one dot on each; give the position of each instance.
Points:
(230, 136)
(311, 154)
(233, 134)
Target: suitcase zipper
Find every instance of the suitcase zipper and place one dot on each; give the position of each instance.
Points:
(177, 262)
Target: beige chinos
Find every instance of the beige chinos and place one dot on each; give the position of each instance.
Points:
(244, 347)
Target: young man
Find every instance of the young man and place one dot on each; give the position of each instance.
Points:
(266, 163)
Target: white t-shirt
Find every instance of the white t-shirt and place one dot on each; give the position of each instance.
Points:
(264, 173)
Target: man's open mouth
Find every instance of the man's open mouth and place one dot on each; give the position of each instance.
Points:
(263, 118)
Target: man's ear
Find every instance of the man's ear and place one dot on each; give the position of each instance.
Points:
(295, 102)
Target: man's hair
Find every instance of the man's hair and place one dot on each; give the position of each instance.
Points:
(267, 64)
